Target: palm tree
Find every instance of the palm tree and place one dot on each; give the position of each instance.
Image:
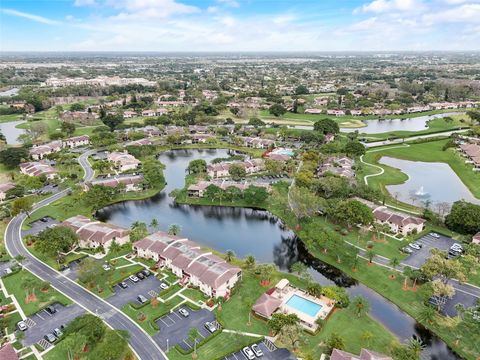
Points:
(394, 262)
(427, 314)
(174, 229)
(229, 256)
(298, 268)
(370, 255)
(154, 224)
(367, 336)
(360, 305)
(314, 289)
(416, 346)
(250, 261)
(248, 303)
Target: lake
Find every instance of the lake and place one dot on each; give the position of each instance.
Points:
(11, 132)
(256, 232)
(427, 181)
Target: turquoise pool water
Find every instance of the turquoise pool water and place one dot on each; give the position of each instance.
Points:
(304, 305)
(284, 152)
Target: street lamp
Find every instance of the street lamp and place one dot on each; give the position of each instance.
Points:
(167, 346)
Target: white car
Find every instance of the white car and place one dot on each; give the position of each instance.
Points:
(414, 246)
(183, 312)
(248, 353)
(133, 278)
(435, 235)
(257, 351)
(163, 286)
(22, 326)
(106, 267)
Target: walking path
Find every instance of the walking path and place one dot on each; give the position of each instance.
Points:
(413, 138)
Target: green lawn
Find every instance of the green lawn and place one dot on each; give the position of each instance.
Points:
(120, 262)
(194, 294)
(425, 152)
(222, 344)
(16, 284)
(165, 294)
(151, 313)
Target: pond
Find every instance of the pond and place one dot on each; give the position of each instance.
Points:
(10, 92)
(379, 126)
(256, 232)
(11, 132)
(427, 181)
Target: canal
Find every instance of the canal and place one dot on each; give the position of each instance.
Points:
(256, 232)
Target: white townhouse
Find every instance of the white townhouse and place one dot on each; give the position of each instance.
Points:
(123, 161)
(38, 152)
(76, 141)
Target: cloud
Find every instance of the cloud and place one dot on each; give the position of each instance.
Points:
(467, 13)
(36, 18)
(382, 6)
(84, 3)
(231, 3)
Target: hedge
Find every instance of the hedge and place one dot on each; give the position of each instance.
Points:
(203, 342)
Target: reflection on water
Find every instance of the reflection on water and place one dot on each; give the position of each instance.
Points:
(428, 181)
(256, 232)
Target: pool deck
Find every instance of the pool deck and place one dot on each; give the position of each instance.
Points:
(306, 320)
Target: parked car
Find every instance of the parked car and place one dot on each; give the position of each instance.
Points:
(22, 326)
(210, 327)
(57, 332)
(140, 275)
(407, 250)
(142, 299)
(414, 246)
(256, 350)
(44, 219)
(51, 310)
(50, 338)
(248, 353)
(419, 244)
(106, 267)
(183, 312)
(163, 286)
(435, 235)
(146, 272)
(133, 278)
(123, 285)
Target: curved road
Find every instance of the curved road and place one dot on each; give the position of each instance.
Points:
(141, 342)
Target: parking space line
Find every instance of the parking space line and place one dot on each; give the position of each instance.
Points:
(187, 343)
(168, 325)
(38, 314)
(46, 312)
(168, 316)
(177, 315)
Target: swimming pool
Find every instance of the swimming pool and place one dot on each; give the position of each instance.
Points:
(283, 152)
(304, 305)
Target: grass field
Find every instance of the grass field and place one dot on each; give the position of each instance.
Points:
(426, 152)
(29, 295)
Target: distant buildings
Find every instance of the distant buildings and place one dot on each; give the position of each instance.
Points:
(257, 143)
(77, 141)
(222, 169)
(98, 81)
(198, 189)
(131, 182)
(472, 152)
(38, 152)
(340, 166)
(38, 168)
(123, 161)
(398, 222)
(140, 142)
(210, 273)
(93, 234)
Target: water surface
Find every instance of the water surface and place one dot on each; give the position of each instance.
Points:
(11, 132)
(436, 182)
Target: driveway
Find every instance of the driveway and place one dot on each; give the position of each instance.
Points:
(174, 327)
(43, 323)
(39, 225)
(277, 354)
(149, 287)
(418, 257)
(4, 265)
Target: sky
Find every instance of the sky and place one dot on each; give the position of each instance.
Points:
(239, 25)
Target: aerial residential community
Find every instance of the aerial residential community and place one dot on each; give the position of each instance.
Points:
(227, 180)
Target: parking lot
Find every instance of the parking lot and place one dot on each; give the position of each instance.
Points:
(459, 298)
(174, 327)
(429, 242)
(43, 322)
(148, 287)
(39, 225)
(4, 265)
(277, 354)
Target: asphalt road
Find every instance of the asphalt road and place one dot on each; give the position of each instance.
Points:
(83, 160)
(140, 341)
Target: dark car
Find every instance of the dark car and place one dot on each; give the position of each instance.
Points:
(50, 309)
(44, 219)
(140, 275)
(146, 272)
